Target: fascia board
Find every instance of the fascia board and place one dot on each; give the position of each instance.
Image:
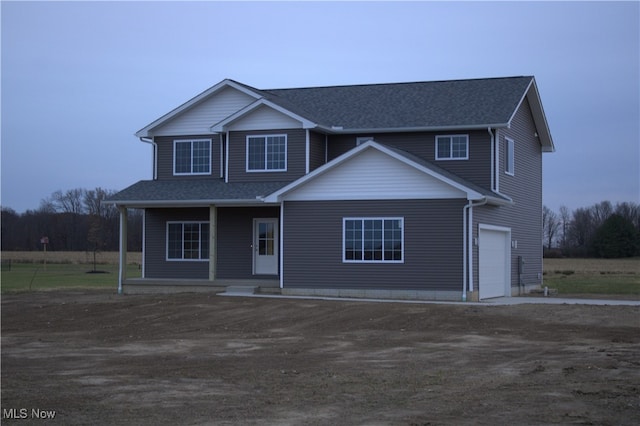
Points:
(144, 132)
(539, 117)
(221, 126)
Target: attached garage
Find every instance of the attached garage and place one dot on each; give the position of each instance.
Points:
(494, 266)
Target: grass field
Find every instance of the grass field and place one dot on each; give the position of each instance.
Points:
(27, 270)
(593, 276)
(70, 270)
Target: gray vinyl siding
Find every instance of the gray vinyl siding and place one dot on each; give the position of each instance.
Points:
(155, 254)
(165, 156)
(317, 150)
(296, 156)
(313, 246)
(476, 169)
(235, 239)
(525, 188)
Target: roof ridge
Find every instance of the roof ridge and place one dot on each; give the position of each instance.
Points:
(395, 83)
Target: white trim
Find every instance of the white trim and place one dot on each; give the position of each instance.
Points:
(184, 222)
(144, 242)
(221, 156)
(307, 154)
(226, 159)
(363, 218)
(266, 170)
(510, 157)
(191, 141)
(451, 157)
(281, 251)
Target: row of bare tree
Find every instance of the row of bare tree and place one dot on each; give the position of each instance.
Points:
(602, 230)
(74, 220)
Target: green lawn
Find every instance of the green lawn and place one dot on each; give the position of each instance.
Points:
(31, 276)
(594, 283)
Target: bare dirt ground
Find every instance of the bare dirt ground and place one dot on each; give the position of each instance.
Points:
(98, 358)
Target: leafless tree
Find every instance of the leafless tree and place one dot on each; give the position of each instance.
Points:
(550, 225)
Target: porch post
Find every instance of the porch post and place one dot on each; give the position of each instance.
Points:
(122, 268)
(213, 237)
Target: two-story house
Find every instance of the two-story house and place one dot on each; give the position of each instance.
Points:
(426, 190)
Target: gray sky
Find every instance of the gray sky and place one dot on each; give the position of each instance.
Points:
(79, 78)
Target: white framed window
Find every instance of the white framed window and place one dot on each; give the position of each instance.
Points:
(373, 240)
(510, 154)
(192, 157)
(267, 153)
(188, 241)
(452, 147)
(362, 139)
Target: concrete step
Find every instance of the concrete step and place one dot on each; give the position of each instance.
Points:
(240, 290)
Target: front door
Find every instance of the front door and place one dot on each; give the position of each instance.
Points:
(265, 246)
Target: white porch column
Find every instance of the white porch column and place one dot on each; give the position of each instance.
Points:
(213, 237)
(122, 268)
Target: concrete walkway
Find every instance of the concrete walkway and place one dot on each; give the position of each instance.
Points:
(498, 301)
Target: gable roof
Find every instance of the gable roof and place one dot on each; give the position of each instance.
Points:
(472, 191)
(392, 107)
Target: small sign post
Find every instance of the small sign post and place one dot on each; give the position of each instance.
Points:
(44, 241)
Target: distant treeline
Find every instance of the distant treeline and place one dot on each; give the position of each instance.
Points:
(75, 220)
(602, 230)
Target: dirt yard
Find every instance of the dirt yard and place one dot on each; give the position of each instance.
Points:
(99, 358)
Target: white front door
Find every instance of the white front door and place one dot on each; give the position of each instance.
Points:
(265, 246)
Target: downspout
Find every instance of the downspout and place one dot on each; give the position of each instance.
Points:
(155, 155)
(468, 246)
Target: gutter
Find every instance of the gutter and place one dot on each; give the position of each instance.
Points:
(154, 166)
(339, 130)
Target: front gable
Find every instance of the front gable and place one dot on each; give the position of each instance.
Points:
(371, 172)
(197, 115)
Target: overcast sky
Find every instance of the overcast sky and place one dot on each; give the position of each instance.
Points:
(79, 78)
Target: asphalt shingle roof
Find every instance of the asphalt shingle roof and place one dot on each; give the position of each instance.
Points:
(193, 190)
(421, 104)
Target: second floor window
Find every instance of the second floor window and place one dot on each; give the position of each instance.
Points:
(267, 153)
(452, 147)
(192, 157)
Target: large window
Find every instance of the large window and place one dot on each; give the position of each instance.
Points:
(510, 157)
(192, 157)
(187, 240)
(267, 153)
(452, 147)
(373, 240)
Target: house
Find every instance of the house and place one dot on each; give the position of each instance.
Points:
(424, 190)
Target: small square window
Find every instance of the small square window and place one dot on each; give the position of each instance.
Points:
(267, 153)
(452, 147)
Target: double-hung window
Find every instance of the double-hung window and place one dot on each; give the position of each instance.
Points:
(187, 240)
(267, 153)
(192, 157)
(510, 150)
(373, 240)
(452, 147)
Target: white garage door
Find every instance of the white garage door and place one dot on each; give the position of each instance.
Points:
(494, 263)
